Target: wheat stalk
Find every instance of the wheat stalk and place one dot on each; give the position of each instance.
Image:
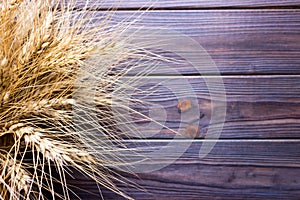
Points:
(44, 47)
(14, 176)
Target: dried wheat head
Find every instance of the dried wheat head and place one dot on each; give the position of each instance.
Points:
(47, 120)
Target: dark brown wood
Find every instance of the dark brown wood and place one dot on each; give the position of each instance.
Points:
(239, 41)
(257, 106)
(176, 4)
(258, 153)
(235, 169)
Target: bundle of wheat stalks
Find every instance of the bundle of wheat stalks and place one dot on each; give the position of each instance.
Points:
(46, 125)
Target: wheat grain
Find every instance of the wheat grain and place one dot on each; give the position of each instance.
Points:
(44, 48)
(14, 177)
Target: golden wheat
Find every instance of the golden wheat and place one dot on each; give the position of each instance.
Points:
(44, 121)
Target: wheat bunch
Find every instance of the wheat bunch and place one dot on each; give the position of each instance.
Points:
(45, 123)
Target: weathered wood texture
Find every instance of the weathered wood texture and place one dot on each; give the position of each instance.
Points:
(239, 41)
(257, 106)
(187, 4)
(256, 47)
(233, 170)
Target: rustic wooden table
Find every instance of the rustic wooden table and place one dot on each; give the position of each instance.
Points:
(256, 46)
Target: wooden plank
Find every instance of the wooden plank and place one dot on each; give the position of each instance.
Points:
(257, 106)
(176, 4)
(239, 41)
(233, 170)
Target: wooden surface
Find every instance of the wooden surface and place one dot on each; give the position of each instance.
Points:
(240, 41)
(257, 106)
(187, 4)
(256, 46)
(235, 169)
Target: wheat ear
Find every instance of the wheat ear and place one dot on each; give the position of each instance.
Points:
(46, 125)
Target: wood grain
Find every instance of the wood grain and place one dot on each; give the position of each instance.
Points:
(233, 170)
(177, 4)
(239, 41)
(257, 106)
(255, 46)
